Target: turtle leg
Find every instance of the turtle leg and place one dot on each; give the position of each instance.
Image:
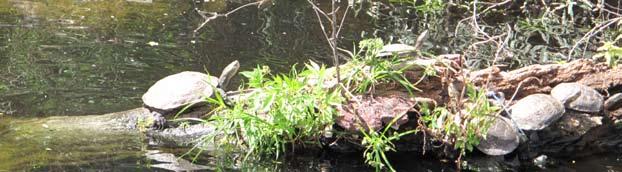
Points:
(158, 120)
(224, 97)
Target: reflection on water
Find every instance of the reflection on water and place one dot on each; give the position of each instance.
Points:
(74, 57)
(69, 57)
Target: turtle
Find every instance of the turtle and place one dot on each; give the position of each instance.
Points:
(183, 89)
(614, 101)
(578, 97)
(399, 49)
(501, 138)
(536, 111)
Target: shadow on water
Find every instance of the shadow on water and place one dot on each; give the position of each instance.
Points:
(49, 144)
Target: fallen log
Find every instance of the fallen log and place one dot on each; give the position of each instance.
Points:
(515, 84)
(542, 78)
(434, 90)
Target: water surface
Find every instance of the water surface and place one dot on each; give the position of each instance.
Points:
(67, 57)
(74, 57)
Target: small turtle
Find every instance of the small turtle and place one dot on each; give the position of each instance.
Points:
(183, 89)
(578, 97)
(536, 111)
(614, 102)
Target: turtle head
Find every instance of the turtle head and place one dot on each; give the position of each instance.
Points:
(497, 97)
(228, 73)
(570, 96)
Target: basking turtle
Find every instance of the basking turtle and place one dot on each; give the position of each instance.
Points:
(536, 111)
(614, 101)
(398, 49)
(183, 89)
(501, 138)
(578, 97)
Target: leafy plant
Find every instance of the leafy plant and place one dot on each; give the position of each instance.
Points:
(366, 70)
(425, 6)
(282, 110)
(610, 52)
(463, 129)
(377, 143)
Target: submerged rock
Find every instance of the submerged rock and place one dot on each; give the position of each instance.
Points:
(502, 138)
(578, 97)
(536, 111)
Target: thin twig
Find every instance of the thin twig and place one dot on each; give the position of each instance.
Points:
(317, 13)
(496, 5)
(334, 38)
(216, 15)
(343, 18)
(597, 29)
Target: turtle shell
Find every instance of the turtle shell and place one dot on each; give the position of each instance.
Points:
(399, 49)
(614, 101)
(179, 90)
(578, 97)
(536, 111)
(501, 138)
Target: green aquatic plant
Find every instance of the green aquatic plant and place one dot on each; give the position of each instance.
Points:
(463, 129)
(281, 110)
(377, 143)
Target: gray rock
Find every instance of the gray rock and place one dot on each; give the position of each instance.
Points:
(614, 102)
(502, 138)
(578, 97)
(536, 111)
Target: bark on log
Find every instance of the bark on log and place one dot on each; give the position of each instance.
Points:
(542, 78)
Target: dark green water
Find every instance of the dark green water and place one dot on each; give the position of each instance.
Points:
(68, 57)
(71, 57)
